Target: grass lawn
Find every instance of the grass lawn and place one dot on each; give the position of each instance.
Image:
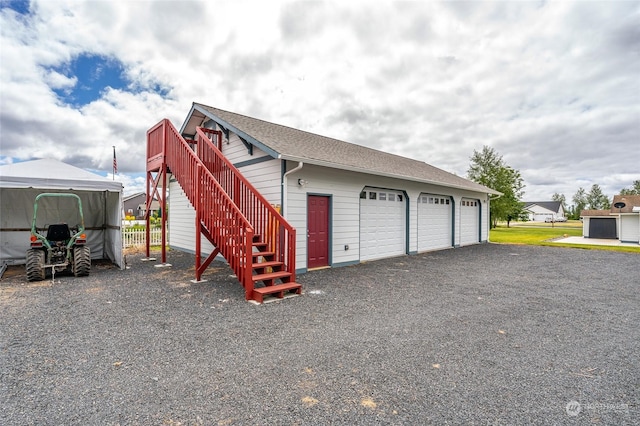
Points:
(541, 235)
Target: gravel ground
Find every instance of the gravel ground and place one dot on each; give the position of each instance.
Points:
(488, 334)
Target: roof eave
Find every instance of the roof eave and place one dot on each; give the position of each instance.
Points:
(235, 130)
(390, 175)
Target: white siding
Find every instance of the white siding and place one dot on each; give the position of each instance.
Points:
(265, 176)
(345, 188)
(182, 222)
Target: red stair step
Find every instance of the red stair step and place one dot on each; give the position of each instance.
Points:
(270, 276)
(277, 290)
(263, 253)
(267, 264)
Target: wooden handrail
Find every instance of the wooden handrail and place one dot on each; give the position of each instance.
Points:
(223, 219)
(265, 220)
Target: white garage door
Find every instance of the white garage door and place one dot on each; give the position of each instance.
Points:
(435, 220)
(382, 223)
(469, 221)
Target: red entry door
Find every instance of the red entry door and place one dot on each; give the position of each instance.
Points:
(317, 231)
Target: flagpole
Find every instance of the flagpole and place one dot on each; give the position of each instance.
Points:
(114, 163)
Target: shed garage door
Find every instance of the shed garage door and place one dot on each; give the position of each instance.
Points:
(469, 221)
(435, 218)
(602, 228)
(383, 217)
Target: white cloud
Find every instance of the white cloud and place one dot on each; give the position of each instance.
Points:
(553, 87)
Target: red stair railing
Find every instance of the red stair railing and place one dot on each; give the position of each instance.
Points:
(265, 220)
(223, 220)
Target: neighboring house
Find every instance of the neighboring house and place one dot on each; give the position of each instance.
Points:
(229, 175)
(539, 211)
(135, 205)
(621, 223)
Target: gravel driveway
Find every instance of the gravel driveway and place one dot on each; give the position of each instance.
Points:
(488, 334)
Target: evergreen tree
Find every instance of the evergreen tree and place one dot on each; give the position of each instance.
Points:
(596, 200)
(634, 190)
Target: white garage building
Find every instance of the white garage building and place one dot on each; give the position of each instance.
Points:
(348, 203)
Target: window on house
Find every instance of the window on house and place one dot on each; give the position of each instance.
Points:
(372, 196)
(392, 197)
(363, 195)
(383, 196)
(399, 197)
(447, 201)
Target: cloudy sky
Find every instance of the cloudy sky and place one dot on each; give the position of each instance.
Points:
(554, 87)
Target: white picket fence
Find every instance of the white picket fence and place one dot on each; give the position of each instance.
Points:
(137, 237)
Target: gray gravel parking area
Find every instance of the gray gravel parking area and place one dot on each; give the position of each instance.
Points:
(487, 334)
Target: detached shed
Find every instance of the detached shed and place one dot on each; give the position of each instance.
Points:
(20, 183)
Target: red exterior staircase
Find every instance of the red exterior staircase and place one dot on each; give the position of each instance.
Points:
(257, 242)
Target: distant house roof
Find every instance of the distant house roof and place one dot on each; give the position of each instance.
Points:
(287, 143)
(132, 196)
(632, 205)
(630, 202)
(595, 213)
(553, 206)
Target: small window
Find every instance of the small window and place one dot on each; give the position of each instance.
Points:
(392, 197)
(399, 197)
(372, 196)
(447, 201)
(430, 200)
(437, 201)
(363, 195)
(441, 200)
(475, 204)
(383, 196)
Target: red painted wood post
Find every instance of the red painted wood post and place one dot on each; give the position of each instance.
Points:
(163, 195)
(248, 270)
(146, 214)
(198, 206)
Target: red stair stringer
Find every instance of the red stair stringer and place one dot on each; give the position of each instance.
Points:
(230, 212)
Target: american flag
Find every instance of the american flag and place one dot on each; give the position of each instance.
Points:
(115, 162)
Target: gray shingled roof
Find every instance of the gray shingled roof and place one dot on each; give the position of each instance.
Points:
(292, 144)
(553, 206)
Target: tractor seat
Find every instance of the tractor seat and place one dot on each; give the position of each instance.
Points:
(58, 232)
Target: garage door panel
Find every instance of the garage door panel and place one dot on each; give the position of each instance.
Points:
(469, 221)
(382, 224)
(602, 228)
(435, 217)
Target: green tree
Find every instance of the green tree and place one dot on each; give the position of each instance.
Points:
(579, 203)
(596, 200)
(634, 190)
(561, 198)
(489, 169)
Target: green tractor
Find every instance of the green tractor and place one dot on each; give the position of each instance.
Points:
(61, 249)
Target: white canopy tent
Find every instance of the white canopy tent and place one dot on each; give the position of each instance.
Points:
(101, 198)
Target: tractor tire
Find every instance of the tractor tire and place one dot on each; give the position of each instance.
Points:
(81, 261)
(35, 265)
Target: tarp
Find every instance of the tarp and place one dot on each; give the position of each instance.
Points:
(20, 183)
